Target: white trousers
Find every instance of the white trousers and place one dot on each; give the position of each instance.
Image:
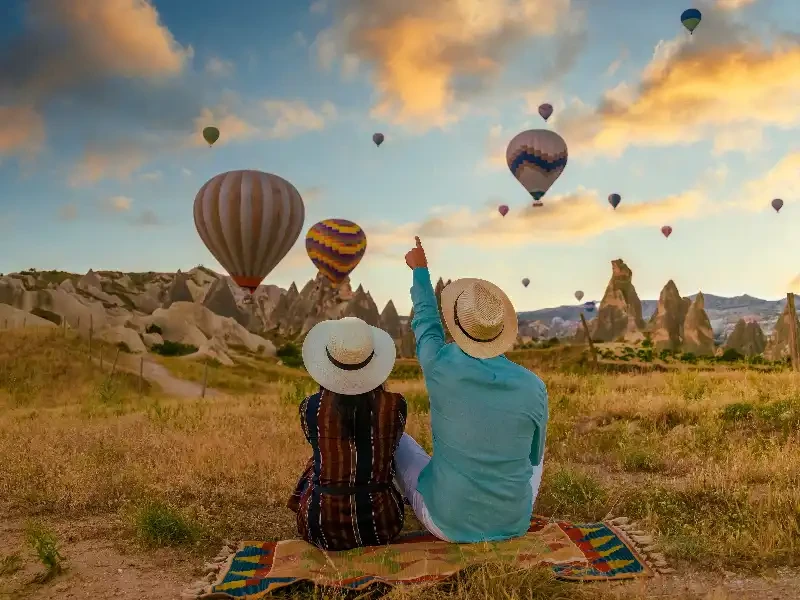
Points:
(410, 458)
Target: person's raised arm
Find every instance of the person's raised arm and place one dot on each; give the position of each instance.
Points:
(427, 323)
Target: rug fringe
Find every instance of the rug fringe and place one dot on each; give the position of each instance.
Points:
(644, 544)
(214, 573)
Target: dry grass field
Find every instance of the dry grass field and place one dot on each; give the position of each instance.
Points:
(109, 492)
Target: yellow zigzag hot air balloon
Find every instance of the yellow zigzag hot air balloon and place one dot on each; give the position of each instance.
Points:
(336, 246)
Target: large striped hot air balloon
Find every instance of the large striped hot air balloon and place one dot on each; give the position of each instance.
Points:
(336, 246)
(537, 158)
(248, 220)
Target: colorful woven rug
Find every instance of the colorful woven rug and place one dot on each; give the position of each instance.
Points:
(612, 550)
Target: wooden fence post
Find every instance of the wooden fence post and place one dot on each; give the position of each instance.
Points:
(793, 350)
(589, 339)
(205, 378)
(101, 358)
(141, 375)
(114, 365)
(91, 331)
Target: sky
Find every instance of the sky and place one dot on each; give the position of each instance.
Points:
(102, 104)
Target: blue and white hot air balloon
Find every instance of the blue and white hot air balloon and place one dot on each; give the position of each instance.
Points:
(589, 306)
(537, 158)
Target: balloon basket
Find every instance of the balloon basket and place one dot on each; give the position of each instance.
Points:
(537, 204)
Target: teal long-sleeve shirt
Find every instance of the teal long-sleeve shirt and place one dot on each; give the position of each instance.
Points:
(488, 419)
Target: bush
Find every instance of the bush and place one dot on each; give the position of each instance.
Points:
(153, 328)
(174, 349)
(689, 357)
(290, 355)
(731, 355)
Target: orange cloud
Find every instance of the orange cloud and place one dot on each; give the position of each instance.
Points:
(781, 181)
(425, 53)
(579, 215)
(733, 4)
(21, 130)
(725, 87)
(116, 161)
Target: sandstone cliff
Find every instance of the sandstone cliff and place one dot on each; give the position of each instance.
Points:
(747, 338)
(780, 341)
(620, 311)
(666, 324)
(698, 337)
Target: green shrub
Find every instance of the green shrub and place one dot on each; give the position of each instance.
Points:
(731, 355)
(174, 349)
(153, 328)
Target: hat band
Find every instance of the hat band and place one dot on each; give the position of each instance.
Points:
(345, 366)
(464, 331)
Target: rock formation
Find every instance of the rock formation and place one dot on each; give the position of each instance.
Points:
(697, 335)
(178, 291)
(747, 338)
(220, 300)
(666, 324)
(620, 312)
(390, 321)
(779, 343)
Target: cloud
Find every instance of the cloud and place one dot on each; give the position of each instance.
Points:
(117, 204)
(219, 68)
(300, 39)
(721, 82)
(151, 176)
(147, 218)
(617, 63)
(429, 56)
(313, 194)
(68, 212)
(22, 131)
(67, 42)
(111, 160)
(186, 172)
(564, 218)
(781, 181)
(290, 118)
(496, 143)
(733, 4)
(318, 7)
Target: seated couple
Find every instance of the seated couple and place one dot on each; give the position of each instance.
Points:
(488, 420)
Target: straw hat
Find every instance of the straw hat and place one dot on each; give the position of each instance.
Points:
(480, 317)
(348, 356)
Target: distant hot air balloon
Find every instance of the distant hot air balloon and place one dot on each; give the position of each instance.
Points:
(666, 230)
(502, 209)
(614, 200)
(691, 18)
(378, 138)
(545, 110)
(777, 204)
(336, 246)
(536, 158)
(248, 220)
(579, 295)
(526, 281)
(588, 306)
(210, 135)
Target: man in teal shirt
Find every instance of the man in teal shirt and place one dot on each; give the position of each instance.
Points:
(488, 415)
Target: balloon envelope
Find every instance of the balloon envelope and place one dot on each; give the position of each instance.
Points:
(579, 295)
(614, 200)
(545, 110)
(502, 209)
(248, 220)
(777, 204)
(377, 138)
(526, 281)
(666, 230)
(336, 246)
(210, 135)
(691, 18)
(588, 306)
(537, 158)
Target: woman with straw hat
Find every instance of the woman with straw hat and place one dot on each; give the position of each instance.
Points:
(346, 497)
(488, 415)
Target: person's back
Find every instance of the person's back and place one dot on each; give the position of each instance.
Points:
(346, 497)
(488, 415)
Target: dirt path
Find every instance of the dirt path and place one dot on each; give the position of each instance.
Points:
(101, 564)
(159, 374)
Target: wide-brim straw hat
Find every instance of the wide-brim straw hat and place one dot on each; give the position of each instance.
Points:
(348, 356)
(479, 317)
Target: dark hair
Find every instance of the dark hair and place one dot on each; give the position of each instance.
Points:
(355, 412)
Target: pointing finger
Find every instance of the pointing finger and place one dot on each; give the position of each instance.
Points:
(419, 244)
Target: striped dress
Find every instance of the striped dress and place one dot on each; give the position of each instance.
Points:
(346, 497)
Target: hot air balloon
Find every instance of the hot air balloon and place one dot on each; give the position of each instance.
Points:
(210, 135)
(588, 306)
(502, 209)
(248, 220)
(378, 138)
(614, 200)
(777, 204)
(536, 158)
(691, 18)
(579, 295)
(336, 246)
(545, 110)
(526, 282)
(666, 230)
